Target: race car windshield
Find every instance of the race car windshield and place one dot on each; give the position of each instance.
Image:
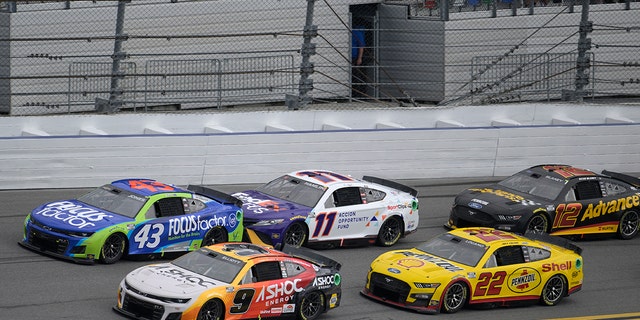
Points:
(294, 190)
(534, 184)
(455, 249)
(211, 264)
(114, 200)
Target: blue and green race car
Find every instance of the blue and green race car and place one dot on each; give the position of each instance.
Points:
(133, 217)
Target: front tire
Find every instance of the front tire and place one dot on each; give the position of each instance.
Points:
(112, 248)
(554, 290)
(390, 232)
(211, 310)
(215, 235)
(628, 227)
(311, 306)
(539, 223)
(296, 235)
(455, 298)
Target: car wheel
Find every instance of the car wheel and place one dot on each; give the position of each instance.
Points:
(628, 227)
(112, 249)
(215, 235)
(296, 235)
(554, 290)
(312, 306)
(212, 310)
(539, 223)
(454, 298)
(390, 232)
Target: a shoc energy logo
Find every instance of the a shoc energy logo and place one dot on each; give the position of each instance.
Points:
(186, 224)
(327, 281)
(254, 205)
(278, 293)
(72, 214)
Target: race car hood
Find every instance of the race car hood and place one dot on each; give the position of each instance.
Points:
(257, 205)
(75, 216)
(493, 199)
(415, 265)
(169, 280)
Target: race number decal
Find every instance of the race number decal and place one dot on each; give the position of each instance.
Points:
(152, 186)
(149, 235)
(242, 300)
(489, 284)
(490, 235)
(329, 217)
(568, 172)
(567, 215)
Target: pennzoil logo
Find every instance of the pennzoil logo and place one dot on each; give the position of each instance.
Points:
(524, 280)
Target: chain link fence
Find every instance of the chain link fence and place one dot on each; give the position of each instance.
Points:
(62, 57)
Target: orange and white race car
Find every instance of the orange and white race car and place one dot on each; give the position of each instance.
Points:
(233, 281)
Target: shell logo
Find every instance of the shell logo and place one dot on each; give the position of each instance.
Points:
(410, 263)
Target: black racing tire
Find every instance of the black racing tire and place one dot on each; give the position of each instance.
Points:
(390, 232)
(211, 310)
(215, 235)
(113, 248)
(311, 306)
(538, 223)
(455, 297)
(296, 235)
(553, 291)
(629, 224)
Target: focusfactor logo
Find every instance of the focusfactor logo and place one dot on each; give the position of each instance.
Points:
(72, 214)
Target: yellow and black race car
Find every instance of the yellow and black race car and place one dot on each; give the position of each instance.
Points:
(476, 266)
(556, 199)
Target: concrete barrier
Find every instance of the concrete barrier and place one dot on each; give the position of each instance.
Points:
(256, 146)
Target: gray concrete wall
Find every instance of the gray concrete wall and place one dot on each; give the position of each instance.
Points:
(253, 147)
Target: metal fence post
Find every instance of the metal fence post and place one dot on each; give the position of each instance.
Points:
(116, 91)
(306, 66)
(584, 44)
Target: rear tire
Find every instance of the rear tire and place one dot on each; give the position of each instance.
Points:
(554, 290)
(311, 306)
(215, 235)
(390, 232)
(628, 227)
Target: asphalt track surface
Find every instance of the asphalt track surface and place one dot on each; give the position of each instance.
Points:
(34, 286)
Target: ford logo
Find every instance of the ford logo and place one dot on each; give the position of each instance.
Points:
(393, 270)
(475, 205)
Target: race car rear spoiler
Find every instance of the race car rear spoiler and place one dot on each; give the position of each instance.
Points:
(310, 255)
(219, 196)
(555, 240)
(624, 177)
(392, 184)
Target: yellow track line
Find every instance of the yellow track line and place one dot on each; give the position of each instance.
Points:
(619, 316)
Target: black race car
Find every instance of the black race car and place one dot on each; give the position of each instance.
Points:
(557, 199)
